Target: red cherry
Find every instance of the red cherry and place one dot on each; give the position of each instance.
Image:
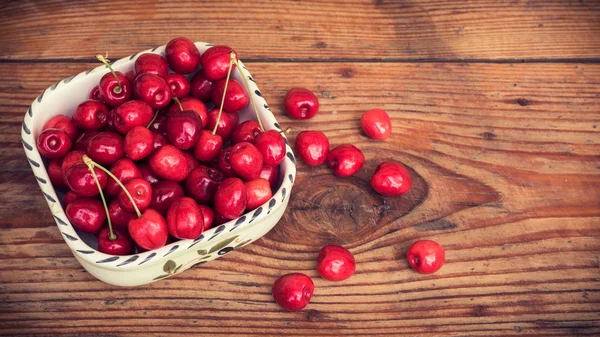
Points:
(159, 125)
(179, 85)
(345, 160)
(391, 179)
(192, 162)
(183, 128)
(110, 91)
(119, 218)
(153, 90)
(147, 173)
(70, 196)
(83, 141)
(54, 170)
(141, 192)
(191, 103)
(258, 192)
(86, 214)
(151, 63)
(293, 291)
(219, 219)
(185, 219)
(125, 170)
(90, 115)
(95, 93)
(201, 87)
(121, 245)
(335, 263)
(80, 180)
(208, 146)
(245, 132)
(132, 113)
(215, 62)
(64, 123)
(106, 148)
(246, 160)
(426, 256)
(150, 230)
(271, 146)
(376, 124)
(69, 160)
(301, 103)
(110, 120)
(312, 147)
(230, 198)
(169, 163)
(164, 193)
(183, 55)
(271, 174)
(54, 143)
(224, 164)
(139, 143)
(226, 124)
(202, 183)
(159, 141)
(236, 97)
(235, 119)
(209, 216)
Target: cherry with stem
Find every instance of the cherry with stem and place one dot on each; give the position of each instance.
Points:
(231, 61)
(117, 90)
(153, 119)
(234, 60)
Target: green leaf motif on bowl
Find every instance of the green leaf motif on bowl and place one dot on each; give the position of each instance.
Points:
(221, 245)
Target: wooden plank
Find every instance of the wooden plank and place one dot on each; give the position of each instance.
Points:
(506, 175)
(357, 29)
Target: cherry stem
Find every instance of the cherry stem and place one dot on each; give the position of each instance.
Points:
(153, 119)
(111, 235)
(249, 94)
(178, 103)
(88, 161)
(286, 131)
(231, 61)
(101, 58)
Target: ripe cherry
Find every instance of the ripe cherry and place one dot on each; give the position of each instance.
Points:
(231, 198)
(215, 62)
(90, 115)
(113, 92)
(95, 93)
(132, 113)
(150, 230)
(106, 148)
(345, 160)
(139, 143)
(376, 124)
(125, 170)
(246, 160)
(335, 263)
(159, 140)
(202, 183)
(185, 219)
(258, 192)
(301, 103)
(82, 142)
(293, 291)
(70, 196)
(236, 97)
(226, 124)
(179, 85)
(159, 125)
(86, 214)
(209, 216)
(141, 192)
(153, 90)
(182, 55)
(271, 146)
(183, 128)
(164, 193)
(201, 87)
(121, 245)
(312, 147)
(151, 63)
(208, 146)
(224, 164)
(69, 160)
(192, 162)
(80, 180)
(426, 256)
(54, 170)
(147, 173)
(245, 132)
(54, 143)
(191, 103)
(64, 123)
(391, 179)
(169, 163)
(119, 218)
(271, 174)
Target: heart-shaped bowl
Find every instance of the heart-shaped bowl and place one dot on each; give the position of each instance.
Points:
(132, 270)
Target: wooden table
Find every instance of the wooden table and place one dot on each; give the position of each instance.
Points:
(496, 111)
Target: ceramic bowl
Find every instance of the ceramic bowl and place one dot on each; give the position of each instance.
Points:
(62, 98)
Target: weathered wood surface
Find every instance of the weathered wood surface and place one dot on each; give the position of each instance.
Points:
(505, 159)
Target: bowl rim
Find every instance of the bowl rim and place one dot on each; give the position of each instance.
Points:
(81, 249)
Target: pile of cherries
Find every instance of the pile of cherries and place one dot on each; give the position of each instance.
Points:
(143, 162)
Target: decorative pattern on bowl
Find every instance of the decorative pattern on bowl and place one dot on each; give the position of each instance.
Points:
(62, 98)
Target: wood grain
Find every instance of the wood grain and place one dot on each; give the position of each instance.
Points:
(506, 169)
(303, 30)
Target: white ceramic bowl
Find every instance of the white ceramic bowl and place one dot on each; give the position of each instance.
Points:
(62, 98)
